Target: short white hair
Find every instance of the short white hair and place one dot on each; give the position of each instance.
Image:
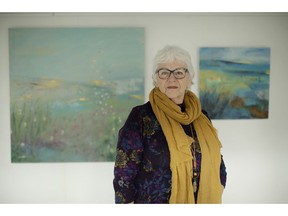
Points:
(169, 54)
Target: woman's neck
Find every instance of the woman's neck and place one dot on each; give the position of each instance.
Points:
(182, 106)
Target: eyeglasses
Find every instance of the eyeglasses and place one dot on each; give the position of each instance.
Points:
(165, 73)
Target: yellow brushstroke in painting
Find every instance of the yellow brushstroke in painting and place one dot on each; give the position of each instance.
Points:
(99, 83)
(46, 84)
(138, 97)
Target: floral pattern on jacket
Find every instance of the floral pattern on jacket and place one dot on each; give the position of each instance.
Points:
(142, 167)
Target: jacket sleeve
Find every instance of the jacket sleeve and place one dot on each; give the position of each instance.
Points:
(128, 157)
(223, 172)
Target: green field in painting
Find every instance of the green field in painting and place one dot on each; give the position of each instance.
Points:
(60, 121)
(229, 95)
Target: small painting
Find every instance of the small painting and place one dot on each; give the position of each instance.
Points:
(71, 89)
(234, 82)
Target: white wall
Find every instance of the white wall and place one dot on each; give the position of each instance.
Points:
(254, 150)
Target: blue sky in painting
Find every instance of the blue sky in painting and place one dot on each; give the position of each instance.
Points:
(239, 55)
(77, 54)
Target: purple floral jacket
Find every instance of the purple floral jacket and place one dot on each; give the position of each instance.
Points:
(142, 168)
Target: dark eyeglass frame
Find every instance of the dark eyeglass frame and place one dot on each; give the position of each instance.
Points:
(172, 71)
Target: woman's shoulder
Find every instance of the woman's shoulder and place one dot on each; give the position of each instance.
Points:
(141, 110)
(138, 113)
(206, 114)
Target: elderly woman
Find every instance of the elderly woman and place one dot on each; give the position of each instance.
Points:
(168, 150)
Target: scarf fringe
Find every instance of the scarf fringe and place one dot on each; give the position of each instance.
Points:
(179, 193)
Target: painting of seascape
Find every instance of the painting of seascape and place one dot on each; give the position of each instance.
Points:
(71, 89)
(234, 82)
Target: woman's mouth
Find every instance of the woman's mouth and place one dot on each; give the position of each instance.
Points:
(172, 87)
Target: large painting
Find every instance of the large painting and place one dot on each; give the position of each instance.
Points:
(71, 89)
(234, 82)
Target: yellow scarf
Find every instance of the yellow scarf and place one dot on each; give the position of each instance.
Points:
(170, 118)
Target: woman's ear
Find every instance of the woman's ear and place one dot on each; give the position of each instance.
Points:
(154, 78)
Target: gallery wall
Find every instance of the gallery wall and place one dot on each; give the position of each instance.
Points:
(255, 150)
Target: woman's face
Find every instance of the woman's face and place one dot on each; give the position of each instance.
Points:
(174, 88)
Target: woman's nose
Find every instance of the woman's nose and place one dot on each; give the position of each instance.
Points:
(171, 77)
